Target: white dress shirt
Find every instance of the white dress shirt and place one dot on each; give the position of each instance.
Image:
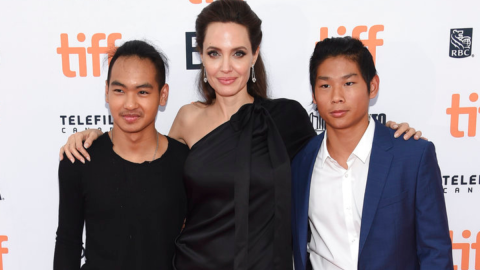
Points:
(335, 206)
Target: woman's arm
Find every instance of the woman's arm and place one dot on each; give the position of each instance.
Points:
(68, 246)
(74, 148)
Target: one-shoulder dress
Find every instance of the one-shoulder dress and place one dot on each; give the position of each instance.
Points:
(238, 181)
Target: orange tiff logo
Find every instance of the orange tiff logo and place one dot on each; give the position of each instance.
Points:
(3, 250)
(371, 42)
(94, 50)
(465, 250)
(200, 1)
(455, 111)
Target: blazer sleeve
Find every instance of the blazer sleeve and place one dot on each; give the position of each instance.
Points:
(68, 246)
(434, 247)
(293, 123)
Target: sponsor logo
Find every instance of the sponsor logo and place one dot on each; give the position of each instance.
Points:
(200, 1)
(464, 248)
(460, 183)
(3, 250)
(455, 111)
(95, 50)
(191, 51)
(461, 42)
(319, 124)
(75, 123)
(372, 42)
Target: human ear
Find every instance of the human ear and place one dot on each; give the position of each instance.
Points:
(255, 55)
(106, 91)
(374, 86)
(164, 95)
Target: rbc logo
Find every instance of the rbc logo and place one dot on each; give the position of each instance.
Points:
(371, 42)
(3, 250)
(94, 50)
(455, 111)
(461, 42)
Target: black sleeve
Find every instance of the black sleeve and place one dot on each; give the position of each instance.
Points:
(68, 246)
(292, 122)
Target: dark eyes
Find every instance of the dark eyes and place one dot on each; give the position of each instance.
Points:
(141, 92)
(328, 86)
(240, 53)
(236, 54)
(213, 53)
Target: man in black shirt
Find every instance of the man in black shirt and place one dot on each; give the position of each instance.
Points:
(130, 195)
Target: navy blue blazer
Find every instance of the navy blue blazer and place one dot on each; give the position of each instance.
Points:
(404, 221)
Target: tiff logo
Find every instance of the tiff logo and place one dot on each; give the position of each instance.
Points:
(94, 50)
(465, 249)
(200, 1)
(455, 111)
(3, 250)
(372, 42)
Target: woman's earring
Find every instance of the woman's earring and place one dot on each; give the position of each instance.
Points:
(254, 79)
(205, 75)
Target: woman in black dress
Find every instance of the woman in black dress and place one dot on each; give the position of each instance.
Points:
(237, 174)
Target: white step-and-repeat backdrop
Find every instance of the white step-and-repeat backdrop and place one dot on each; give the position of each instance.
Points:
(53, 68)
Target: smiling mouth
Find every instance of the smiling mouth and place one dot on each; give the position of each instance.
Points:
(130, 118)
(226, 81)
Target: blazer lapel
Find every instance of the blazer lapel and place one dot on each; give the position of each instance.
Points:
(308, 162)
(380, 162)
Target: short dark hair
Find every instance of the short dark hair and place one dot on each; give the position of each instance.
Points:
(142, 50)
(239, 12)
(349, 47)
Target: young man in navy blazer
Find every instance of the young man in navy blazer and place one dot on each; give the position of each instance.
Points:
(361, 199)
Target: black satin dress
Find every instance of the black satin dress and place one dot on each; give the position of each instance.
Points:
(237, 180)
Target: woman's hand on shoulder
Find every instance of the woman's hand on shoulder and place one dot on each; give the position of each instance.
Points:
(404, 128)
(76, 149)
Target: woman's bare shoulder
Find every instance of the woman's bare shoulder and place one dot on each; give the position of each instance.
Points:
(186, 119)
(191, 111)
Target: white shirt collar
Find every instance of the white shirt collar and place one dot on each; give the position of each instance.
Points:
(361, 151)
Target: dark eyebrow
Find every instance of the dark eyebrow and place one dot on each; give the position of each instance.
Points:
(117, 83)
(145, 85)
(349, 75)
(325, 78)
(234, 49)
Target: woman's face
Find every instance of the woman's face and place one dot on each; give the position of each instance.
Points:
(227, 56)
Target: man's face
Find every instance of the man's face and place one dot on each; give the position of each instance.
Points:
(341, 94)
(133, 94)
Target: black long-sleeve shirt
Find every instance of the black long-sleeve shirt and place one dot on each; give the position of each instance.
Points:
(132, 212)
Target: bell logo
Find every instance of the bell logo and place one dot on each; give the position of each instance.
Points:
(372, 42)
(3, 250)
(94, 50)
(464, 248)
(455, 111)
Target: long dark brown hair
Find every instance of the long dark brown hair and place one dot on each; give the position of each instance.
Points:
(239, 12)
